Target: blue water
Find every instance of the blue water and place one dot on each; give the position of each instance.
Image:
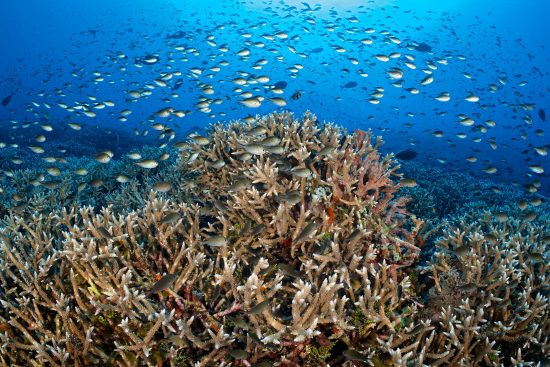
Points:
(51, 50)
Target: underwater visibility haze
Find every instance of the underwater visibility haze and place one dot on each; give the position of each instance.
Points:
(275, 183)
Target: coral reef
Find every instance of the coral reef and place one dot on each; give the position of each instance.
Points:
(76, 182)
(283, 241)
(455, 192)
(299, 186)
(487, 301)
(442, 197)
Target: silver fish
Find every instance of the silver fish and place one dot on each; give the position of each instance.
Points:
(216, 241)
(170, 218)
(306, 233)
(259, 308)
(163, 283)
(291, 197)
(238, 353)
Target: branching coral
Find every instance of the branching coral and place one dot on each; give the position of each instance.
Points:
(303, 200)
(75, 182)
(302, 182)
(73, 282)
(489, 300)
(295, 250)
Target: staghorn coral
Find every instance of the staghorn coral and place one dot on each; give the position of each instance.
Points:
(442, 193)
(312, 211)
(35, 191)
(73, 284)
(283, 276)
(488, 303)
(303, 182)
(73, 293)
(296, 250)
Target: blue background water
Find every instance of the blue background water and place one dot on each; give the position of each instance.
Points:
(43, 43)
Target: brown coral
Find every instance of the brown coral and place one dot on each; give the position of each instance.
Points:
(295, 250)
(288, 271)
(488, 304)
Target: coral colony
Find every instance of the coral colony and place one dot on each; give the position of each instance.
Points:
(290, 247)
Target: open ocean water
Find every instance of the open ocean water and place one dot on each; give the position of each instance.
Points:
(462, 83)
(459, 91)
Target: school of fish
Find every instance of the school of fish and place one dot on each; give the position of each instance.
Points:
(362, 69)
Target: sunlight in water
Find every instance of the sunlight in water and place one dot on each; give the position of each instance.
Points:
(328, 4)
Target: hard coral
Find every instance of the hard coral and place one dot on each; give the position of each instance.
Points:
(74, 285)
(264, 269)
(295, 251)
(287, 176)
(311, 224)
(488, 303)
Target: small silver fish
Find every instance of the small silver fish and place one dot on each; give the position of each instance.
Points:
(257, 229)
(270, 141)
(104, 232)
(217, 164)
(147, 163)
(51, 184)
(529, 216)
(256, 149)
(96, 182)
(122, 179)
(238, 353)
(221, 206)
(200, 140)
(301, 171)
(163, 283)
(275, 149)
(239, 184)
(291, 197)
(240, 322)
(104, 157)
(288, 270)
(216, 241)
(259, 308)
(354, 355)
(461, 250)
(468, 287)
(328, 150)
(501, 217)
(163, 186)
(170, 218)
(306, 233)
(408, 182)
(258, 130)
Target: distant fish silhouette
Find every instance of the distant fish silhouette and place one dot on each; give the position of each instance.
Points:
(349, 85)
(542, 114)
(423, 47)
(407, 155)
(308, 7)
(178, 84)
(296, 95)
(281, 85)
(6, 100)
(317, 50)
(177, 35)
